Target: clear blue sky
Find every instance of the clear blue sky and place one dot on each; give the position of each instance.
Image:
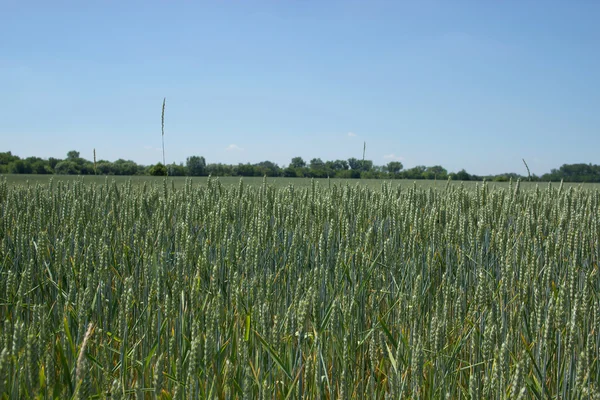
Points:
(464, 84)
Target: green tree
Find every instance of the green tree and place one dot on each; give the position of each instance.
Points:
(415, 172)
(435, 172)
(268, 168)
(354, 164)
(158, 170)
(317, 163)
(339, 165)
(38, 165)
(124, 167)
(195, 166)
(360, 165)
(53, 161)
(7, 157)
(462, 175)
(176, 169)
(290, 172)
(219, 169)
(394, 167)
(73, 155)
(366, 165)
(104, 167)
(297, 162)
(318, 169)
(20, 167)
(246, 170)
(67, 167)
(83, 166)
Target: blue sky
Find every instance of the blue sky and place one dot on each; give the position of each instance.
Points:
(463, 84)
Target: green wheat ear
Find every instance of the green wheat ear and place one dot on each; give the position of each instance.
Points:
(95, 162)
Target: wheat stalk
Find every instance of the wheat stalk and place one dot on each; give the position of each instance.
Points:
(163, 129)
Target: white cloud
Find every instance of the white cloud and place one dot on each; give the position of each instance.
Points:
(352, 134)
(393, 157)
(234, 147)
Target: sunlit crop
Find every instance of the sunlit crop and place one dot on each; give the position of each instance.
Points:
(323, 292)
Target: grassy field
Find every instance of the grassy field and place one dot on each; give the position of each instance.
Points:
(234, 290)
(178, 182)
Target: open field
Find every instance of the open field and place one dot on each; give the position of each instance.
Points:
(179, 181)
(229, 290)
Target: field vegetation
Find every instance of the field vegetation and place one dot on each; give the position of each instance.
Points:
(325, 291)
(179, 182)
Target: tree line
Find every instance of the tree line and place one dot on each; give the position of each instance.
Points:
(351, 168)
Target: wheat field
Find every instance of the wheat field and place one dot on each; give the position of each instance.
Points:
(329, 291)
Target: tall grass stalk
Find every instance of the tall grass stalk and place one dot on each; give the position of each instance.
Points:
(162, 129)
